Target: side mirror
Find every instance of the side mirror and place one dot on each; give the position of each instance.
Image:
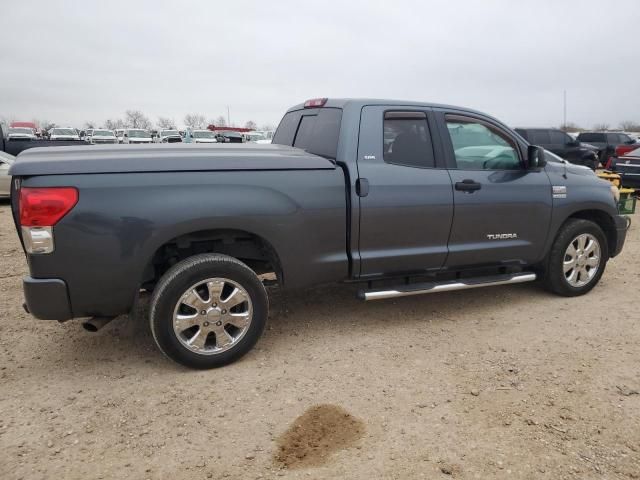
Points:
(535, 157)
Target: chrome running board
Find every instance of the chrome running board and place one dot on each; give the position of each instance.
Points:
(434, 287)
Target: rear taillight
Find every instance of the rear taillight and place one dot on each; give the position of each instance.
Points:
(40, 210)
(315, 103)
(40, 207)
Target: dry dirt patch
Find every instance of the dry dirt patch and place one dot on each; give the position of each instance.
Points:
(316, 434)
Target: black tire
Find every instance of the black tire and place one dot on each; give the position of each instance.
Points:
(554, 279)
(177, 280)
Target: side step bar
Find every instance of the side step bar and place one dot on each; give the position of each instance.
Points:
(434, 287)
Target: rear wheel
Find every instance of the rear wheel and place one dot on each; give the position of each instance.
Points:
(577, 258)
(208, 310)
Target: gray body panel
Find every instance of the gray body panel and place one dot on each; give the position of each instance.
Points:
(104, 244)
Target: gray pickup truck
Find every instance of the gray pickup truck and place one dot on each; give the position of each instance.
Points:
(405, 198)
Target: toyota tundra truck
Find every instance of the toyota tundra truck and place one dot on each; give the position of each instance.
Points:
(403, 198)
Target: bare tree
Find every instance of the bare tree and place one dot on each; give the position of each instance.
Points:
(89, 124)
(165, 123)
(267, 127)
(601, 126)
(194, 120)
(629, 126)
(137, 119)
(251, 125)
(220, 121)
(114, 124)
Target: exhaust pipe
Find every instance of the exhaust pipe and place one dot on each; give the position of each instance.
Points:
(96, 323)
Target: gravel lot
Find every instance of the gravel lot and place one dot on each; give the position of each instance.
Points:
(490, 383)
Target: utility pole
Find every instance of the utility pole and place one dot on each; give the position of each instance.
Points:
(564, 123)
(228, 116)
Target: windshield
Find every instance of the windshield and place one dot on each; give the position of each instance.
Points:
(28, 131)
(166, 133)
(256, 136)
(203, 134)
(138, 133)
(102, 133)
(63, 131)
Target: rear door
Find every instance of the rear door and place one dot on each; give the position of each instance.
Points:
(501, 210)
(405, 193)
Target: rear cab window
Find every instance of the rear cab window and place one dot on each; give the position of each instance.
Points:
(316, 131)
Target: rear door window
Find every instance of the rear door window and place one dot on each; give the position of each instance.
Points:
(407, 140)
(612, 138)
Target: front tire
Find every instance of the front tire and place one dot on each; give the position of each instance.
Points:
(208, 311)
(577, 258)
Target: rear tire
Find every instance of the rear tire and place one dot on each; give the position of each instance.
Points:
(208, 311)
(577, 258)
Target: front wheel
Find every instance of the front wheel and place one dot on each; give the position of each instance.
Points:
(208, 310)
(577, 258)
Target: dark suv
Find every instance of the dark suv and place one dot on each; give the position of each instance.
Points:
(606, 142)
(563, 145)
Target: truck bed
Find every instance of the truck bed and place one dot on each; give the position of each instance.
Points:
(164, 158)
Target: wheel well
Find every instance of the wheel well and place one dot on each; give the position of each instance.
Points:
(604, 221)
(254, 251)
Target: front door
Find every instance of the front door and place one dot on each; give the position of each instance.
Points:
(405, 193)
(502, 210)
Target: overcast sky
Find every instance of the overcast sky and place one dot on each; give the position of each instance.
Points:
(69, 61)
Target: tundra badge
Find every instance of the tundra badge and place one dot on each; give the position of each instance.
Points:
(501, 236)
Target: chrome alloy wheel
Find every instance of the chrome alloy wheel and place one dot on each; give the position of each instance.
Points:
(212, 316)
(581, 260)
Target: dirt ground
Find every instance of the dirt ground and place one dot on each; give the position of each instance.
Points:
(504, 382)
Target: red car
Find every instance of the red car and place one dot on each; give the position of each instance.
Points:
(628, 167)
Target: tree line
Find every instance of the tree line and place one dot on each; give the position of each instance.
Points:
(137, 119)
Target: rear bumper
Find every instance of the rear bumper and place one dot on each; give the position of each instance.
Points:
(47, 298)
(622, 225)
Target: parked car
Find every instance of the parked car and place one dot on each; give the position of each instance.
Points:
(102, 136)
(169, 136)
(119, 132)
(227, 136)
(63, 134)
(88, 133)
(628, 167)
(605, 142)
(201, 136)
(326, 202)
(254, 137)
(21, 133)
(136, 136)
(6, 161)
(563, 145)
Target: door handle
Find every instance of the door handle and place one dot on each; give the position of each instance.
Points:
(468, 185)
